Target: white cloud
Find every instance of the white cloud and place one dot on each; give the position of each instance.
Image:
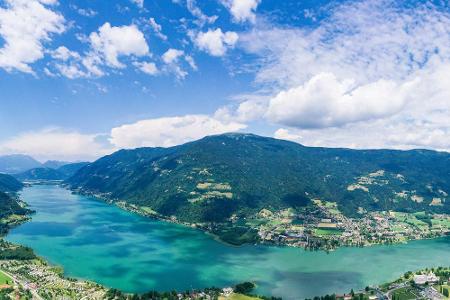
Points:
(25, 26)
(169, 131)
(242, 10)
(190, 60)
(62, 53)
(71, 71)
(85, 12)
(172, 55)
(366, 40)
(325, 101)
(289, 135)
(172, 59)
(147, 67)
(215, 42)
(202, 19)
(139, 3)
(157, 28)
(55, 143)
(372, 74)
(420, 124)
(110, 42)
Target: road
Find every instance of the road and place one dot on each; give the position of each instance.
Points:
(17, 281)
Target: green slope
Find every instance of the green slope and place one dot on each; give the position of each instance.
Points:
(10, 206)
(217, 176)
(60, 173)
(9, 183)
(40, 174)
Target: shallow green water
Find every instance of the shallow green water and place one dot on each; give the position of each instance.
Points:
(103, 243)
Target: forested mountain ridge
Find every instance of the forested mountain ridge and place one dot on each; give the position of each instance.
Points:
(218, 176)
(9, 184)
(46, 173)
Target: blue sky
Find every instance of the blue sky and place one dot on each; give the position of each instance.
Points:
(80, 79)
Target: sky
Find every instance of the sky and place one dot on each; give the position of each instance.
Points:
(80, 79)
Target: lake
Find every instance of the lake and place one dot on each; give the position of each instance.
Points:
(93, 240)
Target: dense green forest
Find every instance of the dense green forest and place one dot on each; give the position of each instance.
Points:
(10, 206)
(218, 176)
(9, 183)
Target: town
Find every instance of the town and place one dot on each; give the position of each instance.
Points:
(424, 284)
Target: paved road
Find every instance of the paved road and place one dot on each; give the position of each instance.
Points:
(16, 280)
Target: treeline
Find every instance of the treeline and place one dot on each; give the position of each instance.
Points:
(114, 294)
(9, 251)
(213, 293)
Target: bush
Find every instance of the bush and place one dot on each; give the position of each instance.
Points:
(244, 288)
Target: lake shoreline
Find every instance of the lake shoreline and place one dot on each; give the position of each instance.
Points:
(155, 216)
(178, 257)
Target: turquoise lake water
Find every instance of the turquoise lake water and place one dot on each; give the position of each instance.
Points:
(100, 242)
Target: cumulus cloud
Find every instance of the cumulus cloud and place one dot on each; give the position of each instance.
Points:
(25, 27)
(202, 19)
(55, 143)
(107, 45)
(242, 10)
(325, 101)
(216, 42)
(62, 144)
(172, 55)
(157, 28)
(422, 123)
(110, 42)
(172, 60)
(366, 40)
(370, 74)
(147, 67)
(63, 53)
(169, 131)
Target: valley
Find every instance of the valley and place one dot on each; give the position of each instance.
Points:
(245, 188)
(63, 229)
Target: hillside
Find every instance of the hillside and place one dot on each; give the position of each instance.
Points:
(9, 183)
(54, 164)
(60, 173)
(218, 176)
(17, 163)
(10, 206)
(40, 174)
(70, 169)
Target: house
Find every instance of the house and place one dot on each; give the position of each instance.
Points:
(227, 291)
(424, 278)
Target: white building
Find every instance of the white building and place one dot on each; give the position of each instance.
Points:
(422, 279)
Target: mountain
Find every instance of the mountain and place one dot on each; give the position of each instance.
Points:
(17, 163)
(70, 169)
(9, 184)
(54, 164)
(9, 206)
(41, 173)
(211, 179)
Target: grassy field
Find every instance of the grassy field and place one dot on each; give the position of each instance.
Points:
(404, 294)
(5, 279)
(327, 231)
(238, 297)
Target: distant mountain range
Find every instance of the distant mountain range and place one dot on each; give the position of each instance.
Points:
(9, 184)
(18, 163)
(25, 167)
(211, 179)
(60, 173)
